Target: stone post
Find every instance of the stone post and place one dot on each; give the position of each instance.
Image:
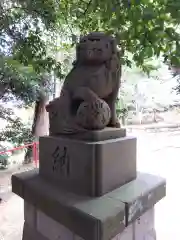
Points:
(88, 188)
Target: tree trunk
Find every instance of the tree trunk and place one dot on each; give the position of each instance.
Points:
(40, 126)
(28, 158)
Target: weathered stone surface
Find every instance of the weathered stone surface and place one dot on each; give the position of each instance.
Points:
(30, 233)
(18, 183)
(100, 218)
(93, 82)
(66, 209)
(47, 228)
(76, 237)
(108, 212)
(145, 227)
(99, 135)
(93, 115)
(140, 195)
(51, 229)
(30, 214)
(127, 234)
(88, 168)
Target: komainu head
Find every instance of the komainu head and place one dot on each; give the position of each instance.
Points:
(95, 48)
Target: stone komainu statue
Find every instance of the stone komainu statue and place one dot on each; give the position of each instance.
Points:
(89, 93)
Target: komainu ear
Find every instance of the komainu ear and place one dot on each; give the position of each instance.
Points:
(48, 107)
(113, 45)
(77, 51)
(114, 63)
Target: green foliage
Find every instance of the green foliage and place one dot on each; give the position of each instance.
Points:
(121, 108)
(22, 25)
(32, 50)
(17, 81)
(24, 59)
(17, 133)
(31, 32)
(144, 28)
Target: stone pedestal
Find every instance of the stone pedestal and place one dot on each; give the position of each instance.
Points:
(90, 168)
(38, 226)
(88, 188)
(49, 209)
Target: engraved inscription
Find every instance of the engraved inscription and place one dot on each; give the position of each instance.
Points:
(61, 161)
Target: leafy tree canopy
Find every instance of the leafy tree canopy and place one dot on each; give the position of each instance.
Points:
(18, 82)
(144, 28)
(30, 32)
(23, 25)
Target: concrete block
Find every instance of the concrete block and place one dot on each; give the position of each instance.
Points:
(90, 218)
(140, 195)
(19, 179)
(48, 229)
(127, 234)
(52, 229)
(88, 168)
(76, 237)
(30, 214)
(31, 233)
(108, 212)
(100, 218)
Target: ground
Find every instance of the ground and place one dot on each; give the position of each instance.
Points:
(158, 153)
(11, 206)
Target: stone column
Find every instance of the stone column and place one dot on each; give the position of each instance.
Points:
(38, 226)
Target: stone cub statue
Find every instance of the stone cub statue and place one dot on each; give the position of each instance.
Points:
(89, 93)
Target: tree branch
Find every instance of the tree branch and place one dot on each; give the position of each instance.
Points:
(88, 5)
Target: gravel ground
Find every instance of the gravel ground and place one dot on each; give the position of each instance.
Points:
(158, 153)
(11, 206)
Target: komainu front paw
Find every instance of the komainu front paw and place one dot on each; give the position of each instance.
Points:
(115, 124)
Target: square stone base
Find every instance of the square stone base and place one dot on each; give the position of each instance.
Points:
(88, 168)
(97, 218)
(38, 226)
